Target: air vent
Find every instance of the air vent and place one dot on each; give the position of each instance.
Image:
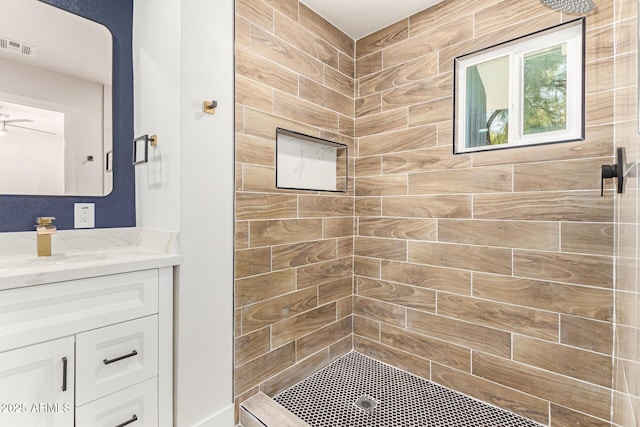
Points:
(16, 47)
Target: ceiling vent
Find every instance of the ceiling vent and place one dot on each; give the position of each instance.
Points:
(16, 47)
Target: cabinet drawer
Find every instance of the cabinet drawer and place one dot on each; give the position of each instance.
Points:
(136, 406)
(114, 357)
(45, 312)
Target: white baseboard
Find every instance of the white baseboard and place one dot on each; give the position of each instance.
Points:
(223, 418)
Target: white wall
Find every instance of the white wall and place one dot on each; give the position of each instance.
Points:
(183, 55)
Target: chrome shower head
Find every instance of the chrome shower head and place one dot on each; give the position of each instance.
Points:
(570, 6)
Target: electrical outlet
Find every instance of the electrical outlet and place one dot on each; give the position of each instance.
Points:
(84, 215)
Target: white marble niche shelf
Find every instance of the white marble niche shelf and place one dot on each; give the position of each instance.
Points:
(305, 162)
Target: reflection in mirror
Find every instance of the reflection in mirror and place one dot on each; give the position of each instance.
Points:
(55, 102)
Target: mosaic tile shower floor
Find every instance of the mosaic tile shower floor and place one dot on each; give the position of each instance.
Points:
(357, 391)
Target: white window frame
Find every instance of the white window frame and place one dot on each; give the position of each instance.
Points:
(571, 33)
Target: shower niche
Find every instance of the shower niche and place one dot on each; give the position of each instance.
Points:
(305, 162)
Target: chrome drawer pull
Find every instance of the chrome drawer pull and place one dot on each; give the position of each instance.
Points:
(107, 361)
(129, 421)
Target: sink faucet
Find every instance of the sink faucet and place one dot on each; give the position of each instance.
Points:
(44, 230)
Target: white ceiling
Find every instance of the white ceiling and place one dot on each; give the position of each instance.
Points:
(359, 18)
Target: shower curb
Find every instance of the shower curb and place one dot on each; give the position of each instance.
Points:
(262, 411)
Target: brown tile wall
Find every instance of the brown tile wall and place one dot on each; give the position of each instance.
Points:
(626, 377)
(491, 273)
(294, 250)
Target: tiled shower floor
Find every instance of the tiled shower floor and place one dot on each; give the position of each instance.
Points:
(391, 398)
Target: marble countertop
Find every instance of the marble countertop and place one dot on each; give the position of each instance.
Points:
(22, 269)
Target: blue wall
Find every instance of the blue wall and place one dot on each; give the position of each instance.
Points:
(18, 213)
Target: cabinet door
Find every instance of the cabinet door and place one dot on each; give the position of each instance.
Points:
(37, 385)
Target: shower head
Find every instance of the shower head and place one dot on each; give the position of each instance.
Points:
(570, 6)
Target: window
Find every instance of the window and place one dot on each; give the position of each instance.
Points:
(526, 91)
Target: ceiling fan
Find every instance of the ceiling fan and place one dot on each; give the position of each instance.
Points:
(5, 123)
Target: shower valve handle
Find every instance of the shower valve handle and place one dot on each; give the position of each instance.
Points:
(616, 170)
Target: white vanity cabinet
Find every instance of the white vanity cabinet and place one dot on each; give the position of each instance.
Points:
(88, 352)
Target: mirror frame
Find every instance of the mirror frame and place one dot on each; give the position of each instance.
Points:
(117, 209)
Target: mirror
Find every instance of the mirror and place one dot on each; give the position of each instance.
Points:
(55, 102)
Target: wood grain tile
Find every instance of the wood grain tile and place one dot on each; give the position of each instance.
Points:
(371, 104)
(394, 357)
(386, 185)
(588, 270)
(427, 206)
(283, 53)
(368, 267)
(395, 293)
(587, 334)
(329, 98)
(368, 206)
(431, 112)
(426, 90)
(264, 206)
(253, 94)
(335, 290)
(249, 262)
(478, 258)
(383, 122)
(398, 228)
(340, 348)
(380, 248)
(599, 43)
(380, 311)
(297, 254)
(581, 301)
(271, 311)
(475, 180)
(428, 348)
(367, 166)
(256, 371)
(347, 65)
(345, 307)
(323, 337)
(250, 149)
(534, 323)
(503, 397)
(587, 238)
(600, 75)
(366, 328)
(289, 377)
(564, 391)
(600, 108)
(241, 235)
(302, 111)
(412, 71)
(429, 19)
(469, 335)
(510, 234)
(259, 179)
(368, 64)
(318, 25)
(437, 278)
(337, 227)
(504, 13)
(256, 12)
(267, 72)
(561, 416)
(286, 7)
(380, 39)
(403, 140)
(323, 272)
(263, 125)
(345, 246)
(584, 206)
(288, 29)
(340, 82)
(276, 232)
(579, 364)
(290, 329)
(325, 206)
(265, 411)
(250, 346)
(581, 174)
(258, 288)
(430, 159)
(453, 32)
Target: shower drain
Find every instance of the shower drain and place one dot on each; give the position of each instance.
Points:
(366, 403)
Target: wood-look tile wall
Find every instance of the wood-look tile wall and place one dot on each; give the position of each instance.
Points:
(626, 377)
(294, 250)
(490, 273)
